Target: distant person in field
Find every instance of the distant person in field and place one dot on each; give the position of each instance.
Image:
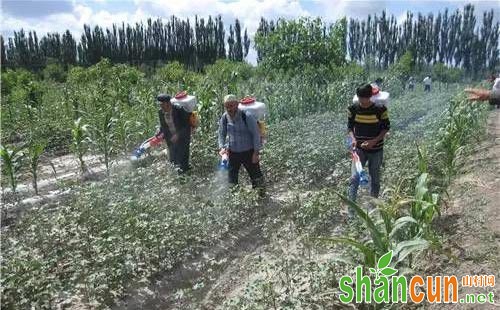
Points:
(411, 83)
(367, 125)
(239, 137)
(174, 122)
(427, 83)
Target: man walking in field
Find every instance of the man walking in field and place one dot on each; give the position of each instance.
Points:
(427, 83)
(239, 137)
(174, 122)
(367, 125)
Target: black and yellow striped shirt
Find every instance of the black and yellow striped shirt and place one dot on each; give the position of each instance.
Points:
(367, 123)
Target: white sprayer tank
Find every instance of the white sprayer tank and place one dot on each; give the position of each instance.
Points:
(185, 101)
(253, 107)
(378, 97)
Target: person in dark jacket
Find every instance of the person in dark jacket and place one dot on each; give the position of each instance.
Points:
(174, 122)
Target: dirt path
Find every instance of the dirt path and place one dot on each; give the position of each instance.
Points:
(471, 222)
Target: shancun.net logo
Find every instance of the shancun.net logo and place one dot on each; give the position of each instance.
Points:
(387, 287)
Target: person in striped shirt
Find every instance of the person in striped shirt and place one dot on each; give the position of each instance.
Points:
(367, 125)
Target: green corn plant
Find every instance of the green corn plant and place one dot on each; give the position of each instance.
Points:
(423, 159)
(35, 149)
(103, 136)
(383, 237)
(124, 132)
(79, 144)
(463, 122)
(12, 160)
(425, 205)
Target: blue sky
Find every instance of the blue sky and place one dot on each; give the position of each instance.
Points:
(58, 15)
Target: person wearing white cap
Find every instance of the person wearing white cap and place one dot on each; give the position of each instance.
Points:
(174, 122)
(239, 137)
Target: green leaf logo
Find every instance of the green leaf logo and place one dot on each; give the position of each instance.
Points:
(388, 271)
(382, 266)
(385, 260)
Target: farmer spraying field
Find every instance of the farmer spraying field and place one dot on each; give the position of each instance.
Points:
(176, 127)
(240, 140)
(368, 123)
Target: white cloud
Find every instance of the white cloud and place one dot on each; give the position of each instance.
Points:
(334, 9)
(73, 21)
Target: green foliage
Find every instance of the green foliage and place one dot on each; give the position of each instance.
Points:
(105, 239)
(35, 149)
(143, 221)
(55, 72)
(12, 160)
(222, 78)
(80, 140)
(135, 224)
(425, 206)
(305, 41)
(146, 43)
(174, 77)
(392, 232)
(446, 74)
(404, 67)
(462, 123)
(351, 70)
(102, 136)
(15, 78)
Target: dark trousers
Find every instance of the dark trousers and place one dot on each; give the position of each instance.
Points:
(374, 164)
(427, 88)
(245, 159)
(178, 153)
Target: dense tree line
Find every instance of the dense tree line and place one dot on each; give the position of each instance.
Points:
(455, 39)
(155, 41)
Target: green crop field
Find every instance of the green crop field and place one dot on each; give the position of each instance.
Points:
(84, 227)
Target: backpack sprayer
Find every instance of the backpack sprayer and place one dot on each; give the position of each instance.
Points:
(357, 167)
